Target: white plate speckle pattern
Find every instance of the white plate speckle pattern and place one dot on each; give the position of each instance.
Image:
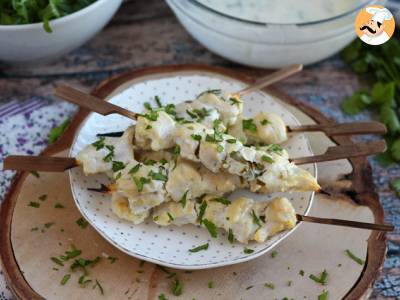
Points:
(169, 246)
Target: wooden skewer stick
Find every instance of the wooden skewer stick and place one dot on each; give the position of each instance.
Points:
(344, 151)
(39, 163)
(342, 128)
(339, 222)
(92, 103)
(60, 164)
(270, 79)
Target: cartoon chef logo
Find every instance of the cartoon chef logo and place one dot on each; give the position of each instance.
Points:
(374, 25)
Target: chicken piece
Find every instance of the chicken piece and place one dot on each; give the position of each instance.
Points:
(155, 132)
(244, 218)
(270, 129)
(120, 206)
(99, 156)
(188, 137)
(175, 213)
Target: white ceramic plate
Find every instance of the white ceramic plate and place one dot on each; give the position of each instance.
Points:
(169, 246)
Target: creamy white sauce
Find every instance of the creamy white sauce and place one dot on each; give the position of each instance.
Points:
(283, 11)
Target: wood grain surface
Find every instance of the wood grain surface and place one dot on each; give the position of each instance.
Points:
(145, 33)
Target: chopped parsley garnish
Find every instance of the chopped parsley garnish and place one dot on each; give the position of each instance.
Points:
(301, 272)
(256, 219)
(354, 257)
(57, 131)
(171, 218)
(249, 287)
(34, 229)
(264, 122)
(158, 176)
(202, 211)
(65, 279)
(82, 263)
(269, 285)
(82, 223)
(58, 205)
(177, 288)
(158, 101)
(221, 200)
(220, 149)
(83, 281)
(170, 109)
(274, 253)
(57, 261)
(162, 297)
(134, 169)
(216, 92)
(248, 124)
(71, 254)
(35, 173)
(199, 114)
(112, 259)
(175, 154)
(235, 101)
(148, 127)
(248, 250)
(99, 144)
(147, 106)
(231, 237)
(231, 141)
(210, 284)
(97, 284)
(49, 224)
(117, 166)
(323, 296)
(199, 248)
(43, 197)
(184, 199)
(212, 229)
(196, 137)
(267, 159)
(274, 148)
(149, 162)
(140, 183)
(289, 283)
(322, 279)
(165, 270)
(163, 161)
(34, 204)
(151, 115)
(110, 155)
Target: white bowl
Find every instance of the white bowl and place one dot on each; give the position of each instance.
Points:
(168, 246)
(30, 43)
(268, 45)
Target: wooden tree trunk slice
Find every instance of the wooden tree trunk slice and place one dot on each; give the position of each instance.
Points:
(25, 254)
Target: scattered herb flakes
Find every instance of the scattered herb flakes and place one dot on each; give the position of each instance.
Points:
(177, 287)
(49, 224)
(234, 273)
(248, 250)
(184, 199)
(212, 229)
(199, 248)
(322, 279)
(112, 259)
(264, 122)
(158, 176)
(147, 106)
(323, 296)
(301, 272)
(43, 197)
(57, 261)
(248, 124)
(35, 174)
(158, 101)
(354, 257)
(231, 141)
(395, 185)
(289, 283)
(82, 223)
(221, 200)
(34, 229)
(274, 253)
(109, 157)
(65, 279)
(196, 137)
(97, 284)
(99, 144)
(210, 284)
(171, 218)
(83, 281)
(269, 285)
(339, 265)
(220, 148)
(56, 132)
(202, 211)
(267, 159)
(117, 166)
(234, 101)
(256, 219)
(141, 182)
(231, 237)
(249, 287)
(134, 169)
(58, 205)
(162, 297)
(34, 204)
(149, 162)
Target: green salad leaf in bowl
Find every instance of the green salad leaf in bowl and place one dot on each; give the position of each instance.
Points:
(15, 12)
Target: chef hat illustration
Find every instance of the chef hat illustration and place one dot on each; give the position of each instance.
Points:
(379, 14)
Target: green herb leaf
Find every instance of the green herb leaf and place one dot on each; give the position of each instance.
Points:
(57, 261)
(354, 257)
(177, 288)
(117, 166)
(212, 229)
(395, 185)
(162, 297)
(248, 124)
(56, 132)
(267, 159)
(99, 286)
(231, 141)
(202, 211)
(34, 204)
(274, 253)
(158, 101)
(248, 250)
(196, 137)
(100, 143)
(158, 176)
(269, 285)
(323, 296)
(231, 237)
(43, 197)
(210, 284)
(82, 223)
(199, 248)
(58, 205)
(256, 219)
(184, 199)
(134, 169)
(221, 200)
(322, 279)
(65, 279)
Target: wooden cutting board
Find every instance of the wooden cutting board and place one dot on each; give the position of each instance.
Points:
(30, 236)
